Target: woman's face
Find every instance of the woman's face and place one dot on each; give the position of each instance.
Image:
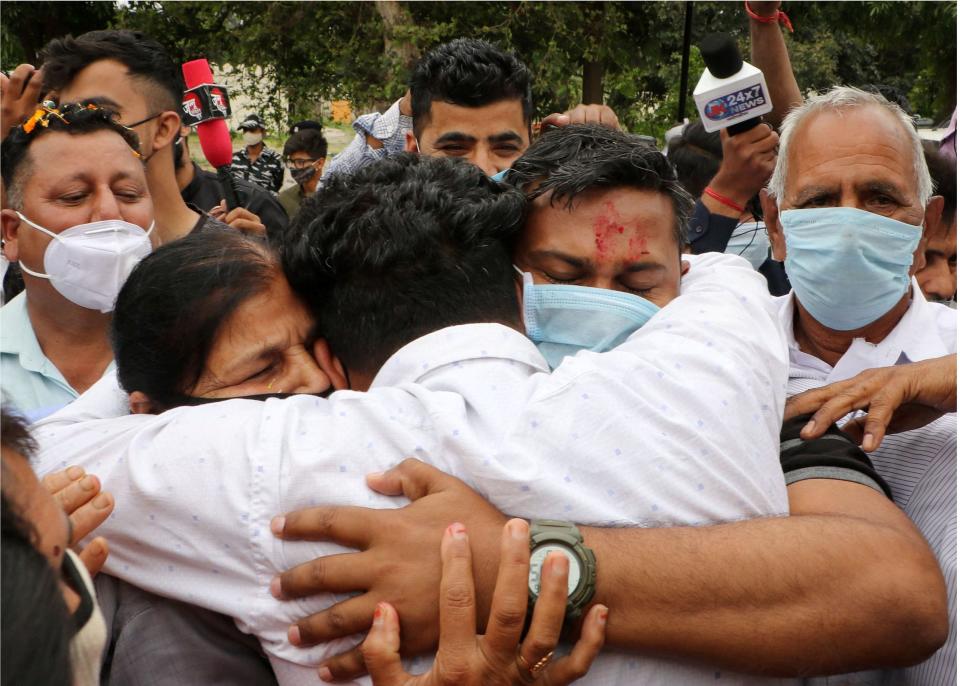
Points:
(263, 347)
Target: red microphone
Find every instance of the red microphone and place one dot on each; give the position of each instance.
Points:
(213, 134)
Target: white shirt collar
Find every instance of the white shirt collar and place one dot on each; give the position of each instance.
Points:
(925, 331)
(456, 344)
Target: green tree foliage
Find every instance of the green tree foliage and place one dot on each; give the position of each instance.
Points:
(301, 50)
(631, 51)
(25, 27)
(911, 46)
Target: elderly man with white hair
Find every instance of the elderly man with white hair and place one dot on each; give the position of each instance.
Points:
(846, 210)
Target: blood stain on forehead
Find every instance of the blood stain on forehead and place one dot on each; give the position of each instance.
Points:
(606, 227)
(609, 226)
(637, 245)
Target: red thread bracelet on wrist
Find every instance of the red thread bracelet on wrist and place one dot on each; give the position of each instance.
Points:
(780, 17)
(724, 200)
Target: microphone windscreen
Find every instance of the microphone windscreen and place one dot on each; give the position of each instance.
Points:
(721, 55)
(215, 142)
(197, 72)
(214, 135)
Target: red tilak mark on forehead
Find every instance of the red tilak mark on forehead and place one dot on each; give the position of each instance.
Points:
(605, 227)
(637, 246)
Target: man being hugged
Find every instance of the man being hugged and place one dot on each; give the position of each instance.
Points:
(406, 267)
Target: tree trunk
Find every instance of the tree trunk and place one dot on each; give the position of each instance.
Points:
(592, 83)
(395, 15)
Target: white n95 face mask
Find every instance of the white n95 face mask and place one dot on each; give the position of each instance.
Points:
(89, 263)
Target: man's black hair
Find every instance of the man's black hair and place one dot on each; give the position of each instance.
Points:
(469, 73)
(15, 436)
(943, 171)
(71, 118)
(696, 155)
(567, 162)
(406, 246)
(310, 141)
(172, 306)
(145, 59)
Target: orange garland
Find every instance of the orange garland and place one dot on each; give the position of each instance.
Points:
(44, 112)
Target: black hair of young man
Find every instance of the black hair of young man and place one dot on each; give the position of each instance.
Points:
(943, 171)
(570, 161)
(404, 247)
(469, 73)
(75, 119)
(35, 626)
(146, 61)
(310, 141)
(696, 154)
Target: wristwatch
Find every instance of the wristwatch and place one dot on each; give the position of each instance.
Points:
(547, 536)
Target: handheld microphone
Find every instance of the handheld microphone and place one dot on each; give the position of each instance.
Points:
(212, 132)
(731, 94)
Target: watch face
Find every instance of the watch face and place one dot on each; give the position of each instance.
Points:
(537, 558)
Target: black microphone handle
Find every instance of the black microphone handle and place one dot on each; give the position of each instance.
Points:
(229, 186)
(742, 126)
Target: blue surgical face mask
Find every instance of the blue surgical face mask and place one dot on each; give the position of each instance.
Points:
(749, 240)
(848, 267)
(499, 176)
(563, 319)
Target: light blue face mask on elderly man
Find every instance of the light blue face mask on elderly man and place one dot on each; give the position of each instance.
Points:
(564, 319)
(848, 267)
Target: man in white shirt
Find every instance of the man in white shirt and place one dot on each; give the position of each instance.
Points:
(196, 487)
(791, 588)
(847, 204)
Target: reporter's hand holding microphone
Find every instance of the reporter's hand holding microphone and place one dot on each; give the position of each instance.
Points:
(731, 98)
